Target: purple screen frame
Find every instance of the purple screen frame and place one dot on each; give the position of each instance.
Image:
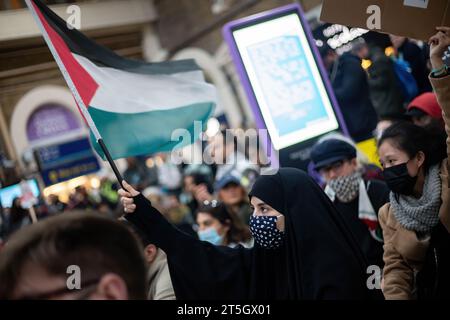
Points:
(265, 16)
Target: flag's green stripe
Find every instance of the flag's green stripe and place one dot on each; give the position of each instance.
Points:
(133, 134)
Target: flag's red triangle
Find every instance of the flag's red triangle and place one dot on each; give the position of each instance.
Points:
(84, 83)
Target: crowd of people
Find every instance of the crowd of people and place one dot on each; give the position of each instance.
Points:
(103, 199)
(225, 231)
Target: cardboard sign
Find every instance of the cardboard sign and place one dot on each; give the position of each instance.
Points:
(415, 19)
(416, 3)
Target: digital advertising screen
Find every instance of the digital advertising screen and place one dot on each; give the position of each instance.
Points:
(8, 194)
(280, 70)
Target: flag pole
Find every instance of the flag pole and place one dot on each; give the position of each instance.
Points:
(110, 160)
(76, 95)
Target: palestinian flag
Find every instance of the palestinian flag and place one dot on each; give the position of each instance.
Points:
(135, 106)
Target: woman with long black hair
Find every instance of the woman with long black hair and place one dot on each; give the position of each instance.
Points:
(303, 249)
(416, 221)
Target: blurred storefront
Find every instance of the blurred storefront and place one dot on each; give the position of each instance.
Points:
(37, 110)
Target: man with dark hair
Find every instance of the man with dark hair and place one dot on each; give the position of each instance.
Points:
(73, 256)
(229, 154)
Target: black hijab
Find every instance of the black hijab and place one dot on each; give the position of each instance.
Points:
(320, 258)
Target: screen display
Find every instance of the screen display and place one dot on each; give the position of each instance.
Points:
(8, 194)
(286, 80)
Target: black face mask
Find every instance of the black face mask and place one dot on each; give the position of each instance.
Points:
(399, 180)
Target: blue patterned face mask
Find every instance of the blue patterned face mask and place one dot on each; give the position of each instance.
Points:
(211, 235)
(264, 230)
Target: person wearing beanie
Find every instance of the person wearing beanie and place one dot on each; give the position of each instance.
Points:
(357, 199)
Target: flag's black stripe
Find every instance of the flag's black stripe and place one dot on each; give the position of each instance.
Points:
(80, 44)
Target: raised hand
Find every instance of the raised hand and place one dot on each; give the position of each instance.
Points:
(439, 43)
(126, 197)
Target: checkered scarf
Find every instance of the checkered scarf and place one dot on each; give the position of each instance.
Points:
(346, 188)
(421, 214)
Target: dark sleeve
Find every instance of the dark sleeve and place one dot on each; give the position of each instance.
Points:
(351, 81)
(378, 193)
(199, 270)
(414, 56)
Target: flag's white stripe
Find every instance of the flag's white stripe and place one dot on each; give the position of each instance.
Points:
(196, 75)
(126, 92)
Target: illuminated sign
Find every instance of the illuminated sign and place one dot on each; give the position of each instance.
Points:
(8, 194)
(280, 71)
(66, 161)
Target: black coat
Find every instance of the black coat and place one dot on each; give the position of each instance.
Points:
(433, 281)
(378, 193)
(385, 90)
(351, 88)
(418, 63)
(320, 259)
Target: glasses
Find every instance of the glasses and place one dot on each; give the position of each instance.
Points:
(211, 203)
(62, 291)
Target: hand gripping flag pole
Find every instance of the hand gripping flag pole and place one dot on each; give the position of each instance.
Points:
(75, 93)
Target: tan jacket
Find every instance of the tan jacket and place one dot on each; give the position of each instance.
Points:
(404, 253)
(160, 282)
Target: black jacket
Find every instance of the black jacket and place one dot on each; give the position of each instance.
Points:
(379, 195)
(351, 88)
(415, 57)
(433, 280)
(385, 90)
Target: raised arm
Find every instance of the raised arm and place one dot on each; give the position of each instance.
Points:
(199, 270)
(440, 77)
(150, 221)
